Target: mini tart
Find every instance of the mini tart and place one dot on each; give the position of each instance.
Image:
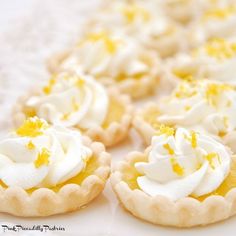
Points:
(145, 122)
(186, 212)
(137, 87)
(72, 195)
(212, 60)
(113, 130)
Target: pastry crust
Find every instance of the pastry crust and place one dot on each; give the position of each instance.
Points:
(186, 212)
(109, 136)
(144, 128)
(136, 88)
(71, 197)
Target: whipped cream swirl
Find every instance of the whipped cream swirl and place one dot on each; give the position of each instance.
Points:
(72, 100)
(183, 163)
(38, 155)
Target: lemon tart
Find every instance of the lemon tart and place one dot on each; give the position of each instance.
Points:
(112, 59)
(47, 170)
(183, 179)
(203, 105)
(213, 60)
(74, 100)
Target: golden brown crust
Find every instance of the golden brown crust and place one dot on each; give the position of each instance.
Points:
(71, 197)
(109, 136)
(186, 212)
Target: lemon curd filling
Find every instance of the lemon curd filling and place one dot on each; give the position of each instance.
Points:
(91, 165)
(130, 175)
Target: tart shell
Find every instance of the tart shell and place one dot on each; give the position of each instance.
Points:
(144, 128)
(109, 136)
(186, 212)
(71, 197)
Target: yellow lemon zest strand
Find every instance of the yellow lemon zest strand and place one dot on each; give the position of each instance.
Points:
(179, 170)
(169, 149)
(132, 12)
(194, 139)
(220, 13)
(163, 129)
(66, 116)
(184, 91)
(220, 49)
(210, 157)
(111, 45)
(43, 158)
(48, 89)
(32, 127)
(214, 90)
(30, 145)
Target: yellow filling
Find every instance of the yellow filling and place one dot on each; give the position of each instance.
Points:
(130, 175)
(91, 166)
